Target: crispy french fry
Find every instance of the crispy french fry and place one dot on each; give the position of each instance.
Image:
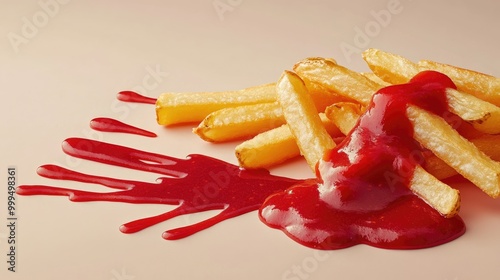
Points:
(302, 118)
(175, 108)
(344, 115)
(481, 85)
(241, 122)
(483, 116)
(321, 95)
(390, 67)
(439, 195)
(438, 136)
(376, 79)
(336, 78)
(274, 146)
(488, 144)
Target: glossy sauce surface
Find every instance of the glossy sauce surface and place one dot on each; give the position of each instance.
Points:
(132, 96)
(112, 125)
(197, 183)
(362, 194)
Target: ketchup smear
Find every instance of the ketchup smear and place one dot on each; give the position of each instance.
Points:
(353, 200)
(112, 125)
(198, 183)
(357, 198)
(132, 96)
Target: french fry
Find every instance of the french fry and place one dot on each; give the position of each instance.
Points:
(274, 146)
(483, 116)
(488, 144)
(302, 118)
(175, 108)
(481, 85)
(324, 97)
(344, 115)
(439, 195)
(345, 82)
(438, 136)
(241, 122)
(390, 67)
(376, 79)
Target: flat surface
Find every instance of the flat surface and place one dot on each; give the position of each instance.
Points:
(62, 63)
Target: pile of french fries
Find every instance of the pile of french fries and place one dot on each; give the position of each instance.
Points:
(312, 107)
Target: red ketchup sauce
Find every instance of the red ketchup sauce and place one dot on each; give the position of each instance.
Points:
(197, 183)
(112, 125)
(132, 96)
(356, 198)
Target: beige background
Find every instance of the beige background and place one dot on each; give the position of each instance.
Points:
(61, 64)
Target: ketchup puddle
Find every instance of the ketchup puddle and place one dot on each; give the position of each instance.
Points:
(352, 202)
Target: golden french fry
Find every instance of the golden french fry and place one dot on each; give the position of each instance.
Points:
(241, 122)
(175, 108)
(390, 67)
(321, 95)
(376, 79)
(438, 136)
(274, 146)
(336, 78)
(481, 85)
(302, 118)
(344, 115)
(439, 195)
(483, 116)
(488, 144)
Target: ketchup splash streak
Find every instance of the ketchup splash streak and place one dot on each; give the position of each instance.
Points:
(132, 96)
(356, 200)
(112, 125)
(198, 183)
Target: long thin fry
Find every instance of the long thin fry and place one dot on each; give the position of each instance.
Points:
(175, 108)
(336, 78)
(302, 118)
(481, 85)
(437, 135)
(241, 122)
(274, 146)
(390, 67)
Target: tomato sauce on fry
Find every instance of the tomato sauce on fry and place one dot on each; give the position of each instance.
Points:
(362, 195)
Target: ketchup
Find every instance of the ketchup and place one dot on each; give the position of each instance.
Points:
(132, 96)
(362, 193)
(197, 183)
(112, 125)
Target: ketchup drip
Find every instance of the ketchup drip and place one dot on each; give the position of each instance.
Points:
(198, 183)
(356, 199)
(112, 125)
(132, 96)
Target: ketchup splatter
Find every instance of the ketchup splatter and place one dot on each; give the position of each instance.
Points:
(355, 200)
(132, 96)
(197, 183)
(112, 125)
